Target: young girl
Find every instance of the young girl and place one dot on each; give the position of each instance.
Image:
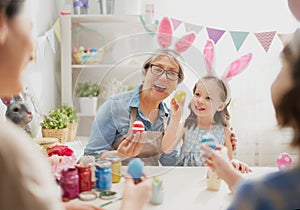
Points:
(209, 117)
(208, 120)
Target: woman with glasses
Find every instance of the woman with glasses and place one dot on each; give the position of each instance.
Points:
(111, 132)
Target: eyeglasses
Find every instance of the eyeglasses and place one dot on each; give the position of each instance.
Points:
(157, 70)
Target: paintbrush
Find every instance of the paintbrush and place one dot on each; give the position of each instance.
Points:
(110, 202)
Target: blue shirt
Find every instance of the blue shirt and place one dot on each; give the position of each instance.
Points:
(280, 190)
(113, 120)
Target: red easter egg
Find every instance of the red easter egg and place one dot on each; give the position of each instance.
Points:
(138, 126)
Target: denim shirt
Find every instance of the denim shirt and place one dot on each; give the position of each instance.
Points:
(113, 119)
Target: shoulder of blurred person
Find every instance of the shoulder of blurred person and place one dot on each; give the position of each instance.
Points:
(26, 180)
(279, 190)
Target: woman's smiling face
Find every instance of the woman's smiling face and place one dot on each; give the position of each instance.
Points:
(160, 87)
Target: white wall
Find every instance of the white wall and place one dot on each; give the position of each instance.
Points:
(43, 76)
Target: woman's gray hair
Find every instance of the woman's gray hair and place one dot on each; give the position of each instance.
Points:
(172, 54)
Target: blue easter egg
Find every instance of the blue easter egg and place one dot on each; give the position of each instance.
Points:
(135, 168)
(210, 143)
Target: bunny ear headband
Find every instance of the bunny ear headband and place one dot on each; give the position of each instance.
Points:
(164, 37)
(234, 68)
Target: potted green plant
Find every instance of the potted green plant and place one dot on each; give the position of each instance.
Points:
(55, 125)
(87, 93)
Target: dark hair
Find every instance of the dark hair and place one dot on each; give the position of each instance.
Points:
(288, 110)
(11, 7)
(221, 117)
(169, 53)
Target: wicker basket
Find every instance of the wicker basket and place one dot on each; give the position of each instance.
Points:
(60, 134)
(89, 58)
(72, 131)
(95, 54)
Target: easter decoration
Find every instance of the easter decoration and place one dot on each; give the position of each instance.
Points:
(18, 112)
(135, 169)
(180, 96)
(138, 127)
(284, 161)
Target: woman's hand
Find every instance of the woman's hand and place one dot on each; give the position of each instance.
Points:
(132, 145)
(176, 110)
(218, 161)
(74, 205)
(135, 196)
(241, 166)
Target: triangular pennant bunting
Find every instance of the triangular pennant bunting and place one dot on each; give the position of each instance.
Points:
(285, 38)
(192, 27)
(215, 34)
(40, 48)
(238, 38)
(175, 23)
(51, 37)
(56, 28)
(265, 39)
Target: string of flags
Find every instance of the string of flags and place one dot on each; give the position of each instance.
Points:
(265, 39)
(49, 37)
(238, 37)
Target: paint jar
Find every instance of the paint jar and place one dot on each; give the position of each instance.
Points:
(103, 175)
(115, 167)
(69, 183)
(85, 177)
(107, 7)
(212, 180)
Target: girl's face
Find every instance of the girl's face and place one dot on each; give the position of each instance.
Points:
(206, 100)
(281, 84)
(16, 50)
(160, 87)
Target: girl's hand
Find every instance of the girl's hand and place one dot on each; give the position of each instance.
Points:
(241, 166)
(135, 196)
(219, 162)
(233, 140)
(132, 145)
(176, 110)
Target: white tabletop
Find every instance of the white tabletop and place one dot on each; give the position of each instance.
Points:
(185, 188)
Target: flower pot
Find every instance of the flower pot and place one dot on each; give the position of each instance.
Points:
(88, 105)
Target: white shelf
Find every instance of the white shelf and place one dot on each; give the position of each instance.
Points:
(104, 18)
(78, 66)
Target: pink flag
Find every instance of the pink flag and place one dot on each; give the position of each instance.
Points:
(265, 39)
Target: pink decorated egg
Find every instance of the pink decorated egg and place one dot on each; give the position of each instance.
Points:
(138, 126)
(284, 161)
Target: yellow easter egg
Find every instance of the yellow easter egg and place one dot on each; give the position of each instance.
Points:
(180, 96)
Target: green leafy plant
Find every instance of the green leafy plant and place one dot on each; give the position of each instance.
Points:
(70, 112)
(88, 89)
(56, 119)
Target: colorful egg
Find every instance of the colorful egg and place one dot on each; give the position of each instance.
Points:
(135, 168)
(138, 126)
(284, 161)
(180, 96)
